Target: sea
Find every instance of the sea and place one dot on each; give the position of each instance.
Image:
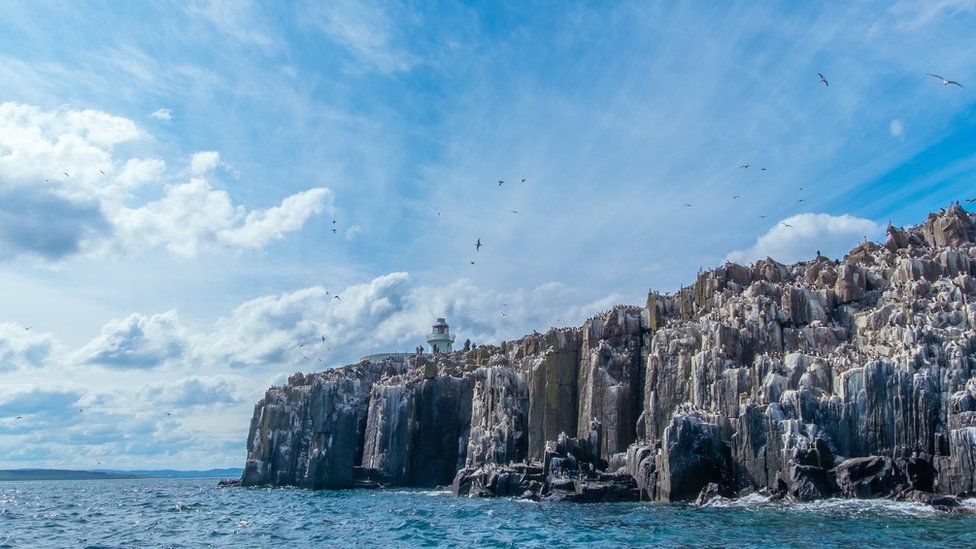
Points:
(196, 513)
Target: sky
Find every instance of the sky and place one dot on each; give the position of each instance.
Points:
(198, 199)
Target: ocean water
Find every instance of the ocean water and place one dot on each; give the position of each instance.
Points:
(195, 513)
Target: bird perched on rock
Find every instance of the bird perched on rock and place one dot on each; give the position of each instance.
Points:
(823, 80)
(945, 81)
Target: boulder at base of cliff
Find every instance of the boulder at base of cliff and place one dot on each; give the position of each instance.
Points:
(809, 483)
(693, 454)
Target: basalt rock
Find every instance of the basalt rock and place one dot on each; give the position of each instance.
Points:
(852, 377)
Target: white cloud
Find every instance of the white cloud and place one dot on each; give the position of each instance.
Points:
(137, 342)
(800, 236)
(365, 30)
(162, 114)
(193, 391)
(193, 216)
(65, 191)
(204, 161)
(351, 232)
(22, 348)
(897, 128)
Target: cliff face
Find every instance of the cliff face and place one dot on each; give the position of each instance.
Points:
(772, 377)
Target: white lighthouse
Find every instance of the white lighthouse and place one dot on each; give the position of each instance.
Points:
(440, 338)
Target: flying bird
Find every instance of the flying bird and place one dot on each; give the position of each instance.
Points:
(787, 225)
(333, 231)
(101, 172)
(735, 196)
(66, 174)
(336, 296)
(323, 339)
(687, 205)
(523, 180)
(514, 211)
(800, 200)
(745, 166)
(970, 200)
(27, 329)
(762, 217)
(762, 169)
(300, 345)
(477, 245)
(823, 80)
(20, 417)
(472, 262)
(500, 182)
(306, 357)
(945, 82)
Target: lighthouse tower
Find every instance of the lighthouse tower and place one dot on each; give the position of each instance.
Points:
(440, 337)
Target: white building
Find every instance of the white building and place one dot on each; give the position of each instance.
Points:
(440, 337)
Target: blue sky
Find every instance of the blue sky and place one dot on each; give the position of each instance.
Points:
(210, 145)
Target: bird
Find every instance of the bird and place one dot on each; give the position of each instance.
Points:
(687, 205)
(472, 262)
(787, 225)
(762, 217)
(745, 166)
(323, 339)
(735, 196)
(80, 410)
(300, 345)
(514, 211)
(800, 200)
(823, 80)
(20, 417)
(333, 231)
(101, 172)
(169, 414)
(27, 329)
(305, 357)
(762, 169)
(945, 82)
(66, 174)
(477, 245)
(970, 200)
(504, 314)
(523, 180)
(337, 297)
(500, 182)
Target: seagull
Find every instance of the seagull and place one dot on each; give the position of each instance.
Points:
(762, 169)
(945, 82)
(333, 231)
(514, 211)
(735, 196)
(500, 182)
(970, 200)
(823, 80)
(477, 245)
(337, 297)
(66, 174)
(523, 180)
(745, 166)
(101, 172)
(787, 225)
(323, 339)
(20, 417)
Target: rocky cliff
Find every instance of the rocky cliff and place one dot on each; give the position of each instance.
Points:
(824, 378)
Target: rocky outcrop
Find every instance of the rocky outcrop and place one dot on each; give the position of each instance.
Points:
(825, 378)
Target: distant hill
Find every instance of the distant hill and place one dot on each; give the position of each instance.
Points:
(60, 474)
(67, 474)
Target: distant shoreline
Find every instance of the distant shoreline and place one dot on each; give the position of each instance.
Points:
(12, 475)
